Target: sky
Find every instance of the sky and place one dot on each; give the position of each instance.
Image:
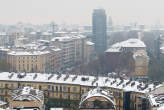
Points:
(80, 11)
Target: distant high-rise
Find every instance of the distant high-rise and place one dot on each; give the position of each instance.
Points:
(99, 30)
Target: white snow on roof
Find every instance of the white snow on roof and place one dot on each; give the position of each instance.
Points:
(98, 92)
(28, 93)
(116, 83)
(128, 43)
(161, 107)
(19, 53)
(33, 33)
(3, 34)
(65, 38)
(68, 37)
(46, 33)
(56, 49)
(56, 108)
(156, 99)
(4, 49)
(2, 103)
(90, 43)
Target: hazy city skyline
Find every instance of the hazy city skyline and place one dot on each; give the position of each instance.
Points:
(80, 11)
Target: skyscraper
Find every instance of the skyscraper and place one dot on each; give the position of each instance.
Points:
(99, 36)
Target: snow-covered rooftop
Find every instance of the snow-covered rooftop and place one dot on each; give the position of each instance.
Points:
(156, 97)
(19, 53)
(90, 43)
(134, 43)
(116, 83)
(27, 93)
(4, 49)
(98, 92)
(139, 54)
(68, 37)
(3, 34)
(161, 107)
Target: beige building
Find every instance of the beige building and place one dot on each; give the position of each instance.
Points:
(141, 63)
(27, 98)
(89, 51)
(78, 49)
(127, 93)
(97, 99)
(23, 61)
(67, 46)
(72, 48)
(155, 98)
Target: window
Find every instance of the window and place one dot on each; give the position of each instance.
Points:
(74, 96)
(65, 95)
(52, 88)
(29, 85)
(6, 85)
(74, 89)
(36, 67)
(64, 88)
(19, 67)
(60, 88)
(1, 91)
(40, 87)
(48, 87)
(27, 67)
(56, 88)
(2, 98)
(12, 86)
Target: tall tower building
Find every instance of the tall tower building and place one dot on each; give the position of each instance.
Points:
(99, 36)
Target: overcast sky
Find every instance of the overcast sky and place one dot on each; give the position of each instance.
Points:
(80, 11)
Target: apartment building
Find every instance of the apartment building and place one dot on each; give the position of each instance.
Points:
(24, 61)
(128, 94)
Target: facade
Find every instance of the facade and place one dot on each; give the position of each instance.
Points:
(68, 51)
(141, 64)
(78, 49)
(89, 50)
(27, 98)
(127, 93)
(20, 61)
(99, 36)
(72, 47)
(137, 50)
(54, 60)
(3, 54)
(4, 38)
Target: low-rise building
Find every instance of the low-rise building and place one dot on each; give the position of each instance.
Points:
(97, 99)
(155, 98)
(27, 98)
(127, 93)
(141, 64)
